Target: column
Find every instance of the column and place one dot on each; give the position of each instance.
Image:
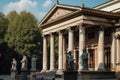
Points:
(101, 49)
(44, 54)
(52, 52)
(81, 45)
(64, 54)
(70, 39)
(118, 50)
(113, 51)
(60, 54)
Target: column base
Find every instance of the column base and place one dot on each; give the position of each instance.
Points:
(52, 70)
(118, 70)
(60, 72)
(44, 70)
(118, 62)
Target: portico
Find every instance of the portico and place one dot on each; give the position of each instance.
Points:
(78, 28)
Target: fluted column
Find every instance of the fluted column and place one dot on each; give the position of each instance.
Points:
(118, 50)
(64, 54)
(101, 49)
(52, 52)
(44, 54)
(81, 45)
(60, 54)
(113, 51)
(70, 39)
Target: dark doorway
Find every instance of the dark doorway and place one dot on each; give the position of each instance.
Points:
(91, 59)
(107, 58)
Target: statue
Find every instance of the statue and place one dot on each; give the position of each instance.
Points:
(14, 65)
(69, 61)
(33, 63)
(85, 59)
(24, 63)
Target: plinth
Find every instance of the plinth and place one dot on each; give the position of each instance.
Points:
(70, 75)
(23, 75)
(97, 75)
(32, 74)
(13, 74)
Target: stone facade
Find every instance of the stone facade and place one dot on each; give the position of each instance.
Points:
(79, 27)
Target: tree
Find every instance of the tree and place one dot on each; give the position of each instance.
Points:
(23, 35)
(4, 56)
(3, 27)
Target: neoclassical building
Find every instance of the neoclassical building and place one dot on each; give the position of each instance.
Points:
(77, 27)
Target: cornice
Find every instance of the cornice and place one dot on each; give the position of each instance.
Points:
(111, 2)
(100, 13)
(85, 11)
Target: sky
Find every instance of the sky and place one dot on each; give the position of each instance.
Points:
(40, 7)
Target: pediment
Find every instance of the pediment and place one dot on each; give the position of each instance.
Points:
(57, 12)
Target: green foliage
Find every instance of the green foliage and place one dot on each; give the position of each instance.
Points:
(3, 27)
(23, 35)
(4, 56)
(56, 51)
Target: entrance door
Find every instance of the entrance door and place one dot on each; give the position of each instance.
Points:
(107, 58)
(91, 59)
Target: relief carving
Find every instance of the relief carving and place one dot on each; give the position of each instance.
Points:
(59, 13)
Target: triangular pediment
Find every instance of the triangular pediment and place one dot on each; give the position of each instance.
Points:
(58, 11)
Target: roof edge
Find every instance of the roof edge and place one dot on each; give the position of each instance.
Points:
(106, 4)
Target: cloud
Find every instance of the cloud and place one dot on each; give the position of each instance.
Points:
(30, 6)
(47, 3)
(20, 6)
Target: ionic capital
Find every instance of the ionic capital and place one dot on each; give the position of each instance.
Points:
(44, 35)
(71, 29)
(101, 28)
(52, 34)
(61, 31)
(80, 25)
(117, 36)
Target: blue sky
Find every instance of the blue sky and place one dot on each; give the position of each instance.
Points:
(40, 7)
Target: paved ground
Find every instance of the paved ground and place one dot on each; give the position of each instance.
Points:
(5, 77)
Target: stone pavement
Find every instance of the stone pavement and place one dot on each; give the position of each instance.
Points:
(5, 77)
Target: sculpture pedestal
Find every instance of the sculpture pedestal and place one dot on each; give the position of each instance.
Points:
(70, 75)
(32, 74)
(23, 75)
(118, 70)
(13, 74)
(88, 75)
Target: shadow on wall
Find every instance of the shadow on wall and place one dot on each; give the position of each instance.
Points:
(100, 67)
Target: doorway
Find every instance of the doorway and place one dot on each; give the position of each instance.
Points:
(91, 59)
(107, 58)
